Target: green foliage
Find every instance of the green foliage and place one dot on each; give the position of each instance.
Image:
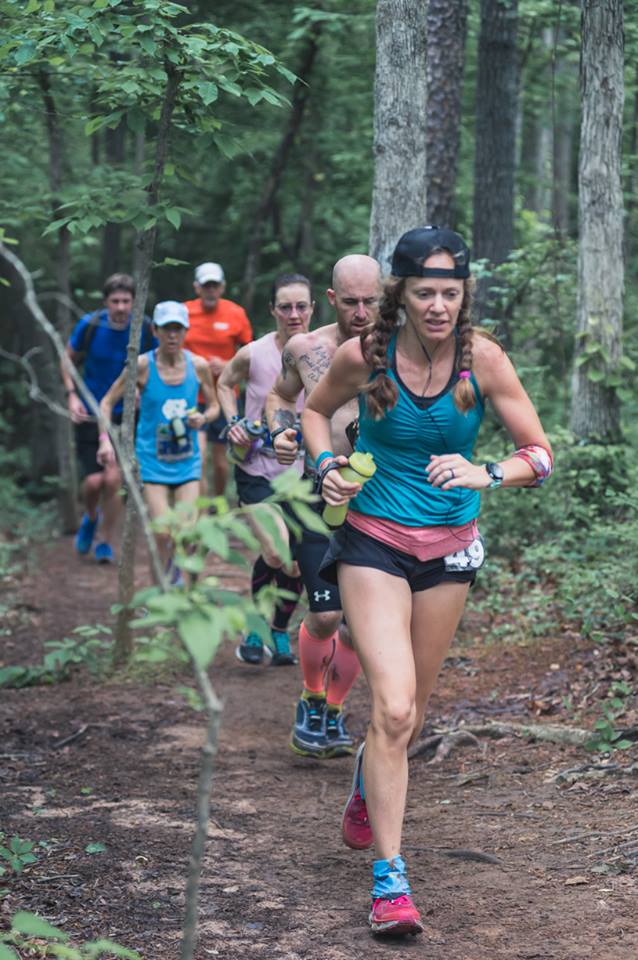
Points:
(606, 737)
(88, 647)
(563, 547)
(16, 853)
(206, 613)
(28, 931)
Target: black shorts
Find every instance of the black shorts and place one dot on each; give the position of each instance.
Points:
(215, 427)
(86, 446)
(352, 546)
(251, 489)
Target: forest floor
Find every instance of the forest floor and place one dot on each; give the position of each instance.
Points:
(510, 858)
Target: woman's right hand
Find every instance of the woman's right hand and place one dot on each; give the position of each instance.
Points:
(335, 490)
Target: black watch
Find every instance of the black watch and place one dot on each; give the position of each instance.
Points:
(495, 473)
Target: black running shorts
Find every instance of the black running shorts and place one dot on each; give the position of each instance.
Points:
(352, 546)
(215, 427)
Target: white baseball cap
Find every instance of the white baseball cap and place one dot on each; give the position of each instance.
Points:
(209, 273)
(170, 311)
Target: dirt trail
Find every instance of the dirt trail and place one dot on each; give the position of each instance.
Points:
(278, 883)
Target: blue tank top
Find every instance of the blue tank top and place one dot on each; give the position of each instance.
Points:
(402, 443)
(163, 458)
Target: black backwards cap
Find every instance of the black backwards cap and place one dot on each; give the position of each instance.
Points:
(415, 246)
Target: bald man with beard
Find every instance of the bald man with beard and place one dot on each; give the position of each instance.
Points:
(329, 664)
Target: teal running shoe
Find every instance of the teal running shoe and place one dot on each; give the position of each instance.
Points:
(252, 650)
(282, 656)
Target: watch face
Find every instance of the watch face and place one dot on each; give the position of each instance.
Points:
(495, 470)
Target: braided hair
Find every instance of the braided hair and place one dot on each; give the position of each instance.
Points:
(382, 392)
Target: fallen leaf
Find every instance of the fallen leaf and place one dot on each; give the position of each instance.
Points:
(576, 881)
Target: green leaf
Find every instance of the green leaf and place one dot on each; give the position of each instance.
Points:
(97, 947)
(95, 848)
(264, 517)
(33, 926)
(308, 517)
(208, 92)
(200, 635)
(6, 953)
(174, 217)
(26, 52)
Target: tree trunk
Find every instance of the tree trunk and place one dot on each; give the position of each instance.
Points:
(494, 161)
(269, 191)
(399, 195)
(145, 244)
(446, 57)
(564, 173)
(112, 236)
(595, 403)
(64, 438)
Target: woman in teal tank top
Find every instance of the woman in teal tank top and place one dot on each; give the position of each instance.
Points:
(167, 450)
(410, 548)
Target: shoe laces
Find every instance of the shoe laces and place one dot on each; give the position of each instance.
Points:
(315, 707)
(253, 640)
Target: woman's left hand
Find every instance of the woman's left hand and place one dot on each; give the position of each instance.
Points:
(452, 470)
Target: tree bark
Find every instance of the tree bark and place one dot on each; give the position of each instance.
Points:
(64, 438)
(112, 235)
(595, 403)
(495, 152)
(399, 196)
(269, 191)
(145, 244)
(446, 57)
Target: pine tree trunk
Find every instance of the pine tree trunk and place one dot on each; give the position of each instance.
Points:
(495, 152)
(595, 403)
(399, 198)
(446, 56)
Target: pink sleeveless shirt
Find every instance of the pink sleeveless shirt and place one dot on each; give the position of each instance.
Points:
(265, 367)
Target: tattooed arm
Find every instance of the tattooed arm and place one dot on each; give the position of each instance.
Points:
(281, 408)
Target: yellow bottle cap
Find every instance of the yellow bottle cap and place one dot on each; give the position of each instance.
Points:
(363, 463)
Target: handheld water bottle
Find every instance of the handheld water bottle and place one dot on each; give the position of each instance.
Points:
(361, 467)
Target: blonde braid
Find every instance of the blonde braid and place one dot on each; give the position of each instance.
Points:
(382, 392)
(463, 392)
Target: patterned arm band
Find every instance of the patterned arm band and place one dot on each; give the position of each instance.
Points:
(539, 459)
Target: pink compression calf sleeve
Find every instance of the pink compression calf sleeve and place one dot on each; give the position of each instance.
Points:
(315, 655)
(342, 673)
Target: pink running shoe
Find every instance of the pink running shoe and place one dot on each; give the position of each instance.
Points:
(355, 829)
(395, 917)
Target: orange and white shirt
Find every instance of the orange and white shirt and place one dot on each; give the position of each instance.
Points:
(219, 332)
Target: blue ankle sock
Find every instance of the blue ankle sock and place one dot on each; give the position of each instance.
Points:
(390, 880)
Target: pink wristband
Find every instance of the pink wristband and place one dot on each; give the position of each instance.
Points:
(103, 436)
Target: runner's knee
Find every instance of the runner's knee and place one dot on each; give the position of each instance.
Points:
(322, 625)
(395, 719)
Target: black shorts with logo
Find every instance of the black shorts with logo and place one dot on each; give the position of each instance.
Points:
(356, 548)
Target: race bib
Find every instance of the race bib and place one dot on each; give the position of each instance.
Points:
(471, 558)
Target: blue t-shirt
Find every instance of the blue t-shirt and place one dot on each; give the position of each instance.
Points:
(106, 356)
